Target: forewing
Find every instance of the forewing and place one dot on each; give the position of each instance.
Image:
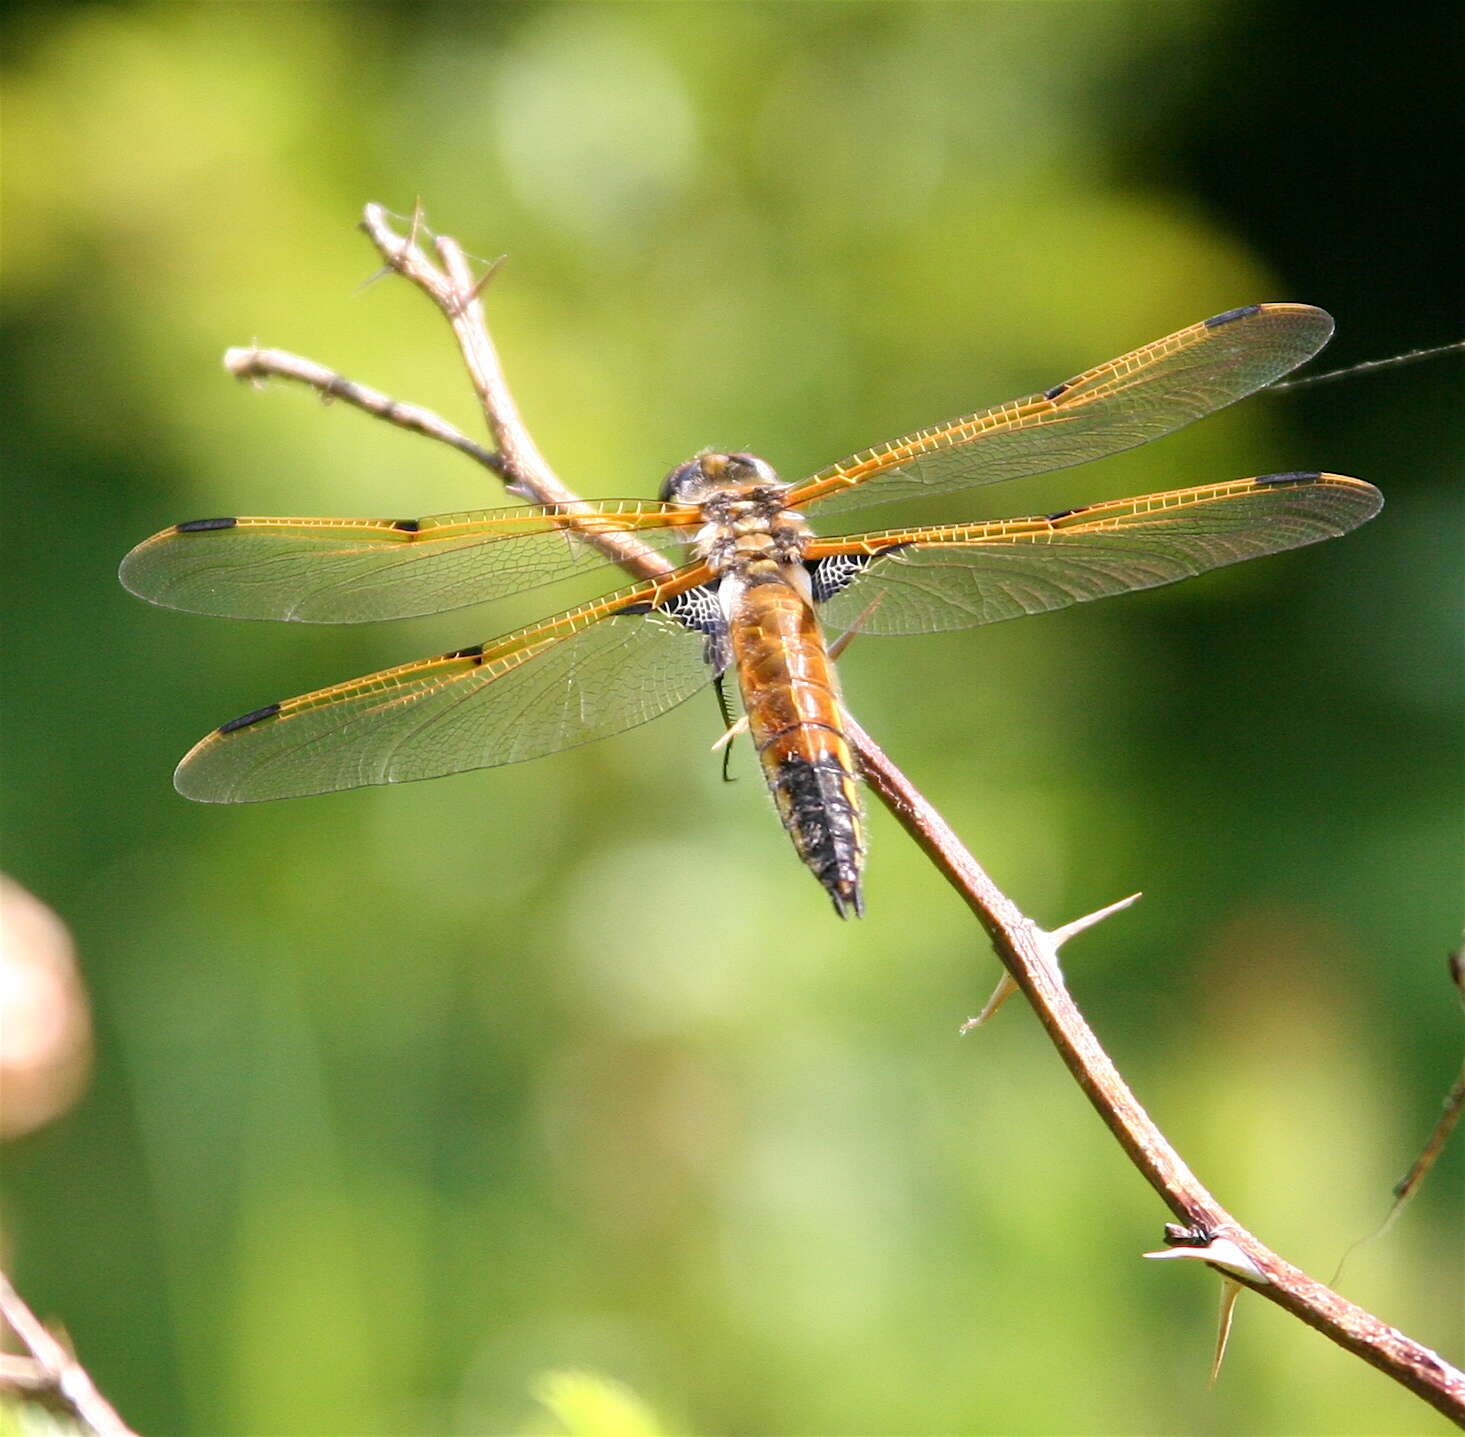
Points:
(1128, 401)
(348, 571)
(584, 675)
(916, 581)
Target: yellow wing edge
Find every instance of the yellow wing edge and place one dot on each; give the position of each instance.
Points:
(1094, 518)
(617, 516)
(490, 660)
(1071, 395)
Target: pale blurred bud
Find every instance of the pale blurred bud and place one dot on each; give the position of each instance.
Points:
(45, 1029)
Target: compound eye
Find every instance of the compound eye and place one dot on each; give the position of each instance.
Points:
(679, 486)
(761, 469)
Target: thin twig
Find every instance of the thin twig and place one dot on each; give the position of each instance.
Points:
(1450, 1110)
(23, 1374)
(1434, 1145)
(53, 1371)
(258, 364)
(455, 292)
(1028, 951)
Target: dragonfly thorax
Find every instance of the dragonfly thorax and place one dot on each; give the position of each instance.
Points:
(746, 530)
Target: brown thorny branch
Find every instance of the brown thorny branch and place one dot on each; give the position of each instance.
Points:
(1205, 1229)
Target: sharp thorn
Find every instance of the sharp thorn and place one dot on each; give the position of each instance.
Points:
(1006, 987)
(1059, 936)
(371, 279)
(1223, 1253)
(487, 276)
(1230, 1291)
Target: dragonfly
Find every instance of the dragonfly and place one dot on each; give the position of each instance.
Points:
(749, 589)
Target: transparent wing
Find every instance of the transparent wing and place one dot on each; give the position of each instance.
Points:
(349, 571)
(917, 581)
(583, 675)
(1128, 401)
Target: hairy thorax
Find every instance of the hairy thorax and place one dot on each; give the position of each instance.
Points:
(747, 534)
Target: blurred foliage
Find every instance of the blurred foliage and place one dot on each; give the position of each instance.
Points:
(27, 1418)
(589, 1405)
(402, 1097)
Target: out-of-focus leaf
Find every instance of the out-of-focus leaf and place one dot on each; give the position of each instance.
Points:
(590, 1405)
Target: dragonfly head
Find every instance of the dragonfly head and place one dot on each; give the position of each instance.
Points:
(699, 478)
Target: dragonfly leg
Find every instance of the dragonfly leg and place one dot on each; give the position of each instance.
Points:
(731, 728)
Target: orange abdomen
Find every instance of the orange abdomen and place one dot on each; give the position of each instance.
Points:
(791, 696)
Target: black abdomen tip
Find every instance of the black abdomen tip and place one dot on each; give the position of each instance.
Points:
(849, 901)
(825, 826)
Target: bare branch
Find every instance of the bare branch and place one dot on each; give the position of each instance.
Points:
(52, 1371)
(261, 364)
(1030, 957)
(1029, 953)
(455, 291)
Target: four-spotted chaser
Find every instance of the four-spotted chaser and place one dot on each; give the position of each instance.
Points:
(752, 595)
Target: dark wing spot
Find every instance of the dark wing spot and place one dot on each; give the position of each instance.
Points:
(407, 526)
(473, 651)
(1065, 513)
(1056, 390)
(1298, 476)
(1217, 320)
(199, 526)
(244, 721)
(633, 609)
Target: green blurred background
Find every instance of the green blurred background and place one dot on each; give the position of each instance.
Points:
(404, 1096)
